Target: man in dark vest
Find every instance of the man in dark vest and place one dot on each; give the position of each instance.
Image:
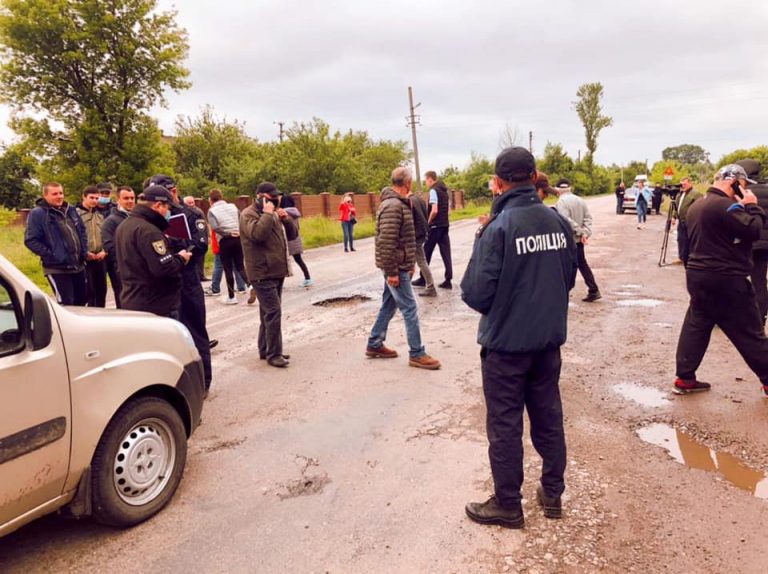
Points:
(438, 228)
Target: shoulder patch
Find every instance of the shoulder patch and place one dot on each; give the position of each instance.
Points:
(200, 224)
(159, 247)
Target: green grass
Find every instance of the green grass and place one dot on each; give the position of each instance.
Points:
(12, 247)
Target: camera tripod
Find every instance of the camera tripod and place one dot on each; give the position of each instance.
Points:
(671, 214)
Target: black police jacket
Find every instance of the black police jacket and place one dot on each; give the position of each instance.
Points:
(761, 191)
(523, 265)
(721, 232)
(149, 269)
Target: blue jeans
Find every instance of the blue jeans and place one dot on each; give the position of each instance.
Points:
(218, 272)
(394, 298)
(347, 227)
(642, 209)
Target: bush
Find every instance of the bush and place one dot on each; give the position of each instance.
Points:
(7, 216)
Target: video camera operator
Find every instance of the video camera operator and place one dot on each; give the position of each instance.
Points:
(759, 247)
(722, 228)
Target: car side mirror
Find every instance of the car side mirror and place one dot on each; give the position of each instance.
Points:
(38, 330)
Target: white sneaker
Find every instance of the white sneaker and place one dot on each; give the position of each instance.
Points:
(225, 300)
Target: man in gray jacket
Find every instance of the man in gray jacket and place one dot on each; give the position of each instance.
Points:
(396, 257)
(575, 209)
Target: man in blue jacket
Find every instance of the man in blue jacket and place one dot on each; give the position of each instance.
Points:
(56, 234)
(523, 265)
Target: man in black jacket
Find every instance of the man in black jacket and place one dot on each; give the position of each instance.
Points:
(56, 234)
(722, 230)
(149, 269)
(519, 276)
(126, 200)
(760, 246)
(421, 227)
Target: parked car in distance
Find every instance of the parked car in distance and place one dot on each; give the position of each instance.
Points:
(95, 408)
(630, 194)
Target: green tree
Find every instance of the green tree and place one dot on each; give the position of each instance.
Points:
(759, 153)
(590, 112)
(473, 179)
(680, 170)
(556, 163)
(632, 170)
(686, 154)
(16, 171)
(94, 68)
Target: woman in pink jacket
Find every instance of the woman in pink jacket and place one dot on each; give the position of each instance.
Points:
(348, 217)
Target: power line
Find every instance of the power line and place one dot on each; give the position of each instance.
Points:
(412, 120)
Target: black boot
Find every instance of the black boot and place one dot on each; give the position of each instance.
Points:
(490, 512)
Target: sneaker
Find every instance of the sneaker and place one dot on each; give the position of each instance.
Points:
(446, 284)
(210, 292)
(685, 386)
(424, 362)
(280, 362)
(307, 282)
(352, 249)
(431, 292)
(420, 282)
(382, 352)
(592, 297)
(251, 295)
(212, 343)
(491, 512)
(229, 300)
(552, 506)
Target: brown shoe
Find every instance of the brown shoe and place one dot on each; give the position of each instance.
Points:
(424, 362)
(382, 352)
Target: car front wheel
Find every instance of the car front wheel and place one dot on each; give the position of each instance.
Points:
(138, 463)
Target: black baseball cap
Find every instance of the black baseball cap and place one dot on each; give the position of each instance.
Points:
(267, 188)
(515, 164)
(751, 166)
(156, 193)
(165, 180)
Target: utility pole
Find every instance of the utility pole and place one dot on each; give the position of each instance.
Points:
(530, 142)
(412, 120)
(280, 124)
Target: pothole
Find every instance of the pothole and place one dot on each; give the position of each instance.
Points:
(342, 301)
(645, 396)
(640, 303)
(686, 450)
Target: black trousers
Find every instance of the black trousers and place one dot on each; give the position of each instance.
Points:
(69, 288)
(231, 255)
(438, 236)
(584, 269)
(269, 292)
(192, 315)
(300, 262)
(728, 302)
(759, 280)
(511, 382)
(114, 279)
(683, 243)
(96, 273)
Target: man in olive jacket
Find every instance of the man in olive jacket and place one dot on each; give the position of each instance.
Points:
(264, 232)
(396, 257)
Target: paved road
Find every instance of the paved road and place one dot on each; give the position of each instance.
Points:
(343, 464)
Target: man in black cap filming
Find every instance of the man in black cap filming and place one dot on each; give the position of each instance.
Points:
(521, 270)
(722, 227)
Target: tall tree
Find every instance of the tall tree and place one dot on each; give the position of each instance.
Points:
(590, 111)
(95, 68)
(685, 153)
(556, 163)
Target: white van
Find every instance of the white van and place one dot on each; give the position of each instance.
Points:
(95, 408)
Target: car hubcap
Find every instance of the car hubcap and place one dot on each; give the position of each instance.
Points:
(144, 462)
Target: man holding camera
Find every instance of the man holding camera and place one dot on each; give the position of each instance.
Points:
(722, 228)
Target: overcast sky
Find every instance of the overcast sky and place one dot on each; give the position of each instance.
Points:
(688, 71)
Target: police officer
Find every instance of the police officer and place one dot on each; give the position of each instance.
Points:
(522, 267)
(722, 227)
(759, 247)
(149, 268)
(192, 311)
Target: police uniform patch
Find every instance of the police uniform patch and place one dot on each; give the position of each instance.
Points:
(159, 247)
(200, 224)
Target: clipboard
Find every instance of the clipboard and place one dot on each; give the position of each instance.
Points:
(178, 227)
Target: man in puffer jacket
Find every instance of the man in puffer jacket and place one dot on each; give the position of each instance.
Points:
(57, 235)
(396, 257)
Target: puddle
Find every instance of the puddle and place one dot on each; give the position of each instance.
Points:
(645, 396)
(342, 301)
(640, 303)
(685, 450)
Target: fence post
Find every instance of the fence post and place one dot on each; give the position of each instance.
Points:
(326, 203)
(372, 203)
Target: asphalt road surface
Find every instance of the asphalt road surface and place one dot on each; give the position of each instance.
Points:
(344, 464)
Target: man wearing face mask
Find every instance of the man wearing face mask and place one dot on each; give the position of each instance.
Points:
(126, 199)
(150, 271)
(106, 205)
(722, 227)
